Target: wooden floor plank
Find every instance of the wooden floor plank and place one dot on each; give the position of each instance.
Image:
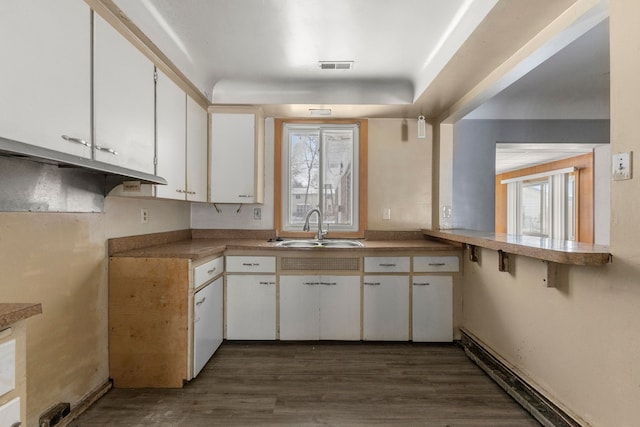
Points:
(321, 383)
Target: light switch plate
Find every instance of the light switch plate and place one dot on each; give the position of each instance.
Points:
(621, 166)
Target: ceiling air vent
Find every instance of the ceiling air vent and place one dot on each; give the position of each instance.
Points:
(335, 65)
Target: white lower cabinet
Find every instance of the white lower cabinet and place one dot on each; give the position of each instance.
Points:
(319, 307)
(386, 308)
(251, 307)
(432, 308)
(207, 323)
(10, 413)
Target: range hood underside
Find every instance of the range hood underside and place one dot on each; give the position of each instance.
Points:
(38, 179)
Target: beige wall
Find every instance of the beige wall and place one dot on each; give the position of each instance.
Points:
(122, 216)
(399, 176)
(398, 179)
(59, 260)
(578, 343)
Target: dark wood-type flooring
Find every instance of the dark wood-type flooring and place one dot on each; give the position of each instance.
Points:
(321, 383)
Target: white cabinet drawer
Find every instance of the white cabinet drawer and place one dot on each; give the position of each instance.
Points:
(386, 264)
(10, 413)
(251, 264)
(207, 271)
(436, 263)
(7, 366)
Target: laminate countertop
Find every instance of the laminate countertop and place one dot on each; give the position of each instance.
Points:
(559, 251)
(14, 312)
(201, 248)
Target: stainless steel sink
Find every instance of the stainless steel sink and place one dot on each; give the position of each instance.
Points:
(320, 244)
(342, 244)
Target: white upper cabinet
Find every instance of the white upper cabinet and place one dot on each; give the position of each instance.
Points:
(45, 79)
(123, 101)
(171, 127)
(182, 143)
(237, 159)
(197, 142)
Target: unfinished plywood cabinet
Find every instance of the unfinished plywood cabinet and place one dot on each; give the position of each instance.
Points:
(151, 318)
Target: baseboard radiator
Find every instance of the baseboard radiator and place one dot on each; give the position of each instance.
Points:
(85, 403)
(541, 408)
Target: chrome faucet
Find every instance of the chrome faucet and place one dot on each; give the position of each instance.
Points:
(321, 233)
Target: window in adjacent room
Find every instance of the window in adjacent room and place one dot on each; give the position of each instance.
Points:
(543, 205)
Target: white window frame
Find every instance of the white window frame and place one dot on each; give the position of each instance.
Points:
(562, 227)
(286, 170)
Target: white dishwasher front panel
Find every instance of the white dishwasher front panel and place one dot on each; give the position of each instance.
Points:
(207, 323)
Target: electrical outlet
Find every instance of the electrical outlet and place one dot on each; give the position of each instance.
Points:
(621, 167)
(257, 214)
(144, 216)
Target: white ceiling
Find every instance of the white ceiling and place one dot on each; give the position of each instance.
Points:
(514, 156)
(572, 84)
(410, 56)
(267, 52)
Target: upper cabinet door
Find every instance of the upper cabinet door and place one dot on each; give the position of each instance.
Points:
(234, 158)
(197, 142)
(45, 79)
(171, 115)
(123, 101)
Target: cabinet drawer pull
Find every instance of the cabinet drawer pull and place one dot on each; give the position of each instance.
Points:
(267, 283)
(201, 301)
(106, 150)
(311, 283)
(76, 140)
(421, 284)
(372, 283)
(179, 191)
(245, 196)
(211, 271)
(328, 283)
(436, 264)
(190, 192)
(249, 264)
(387, 265)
